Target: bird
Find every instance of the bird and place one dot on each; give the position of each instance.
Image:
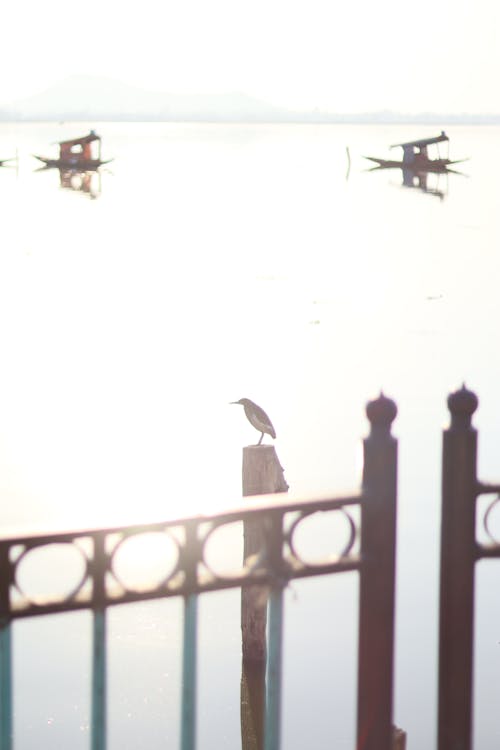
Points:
(257, 418)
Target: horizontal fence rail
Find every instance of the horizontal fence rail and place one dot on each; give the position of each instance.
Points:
(189, 571)
(367, 546)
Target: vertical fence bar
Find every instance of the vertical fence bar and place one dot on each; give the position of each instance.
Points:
(189, 668)
(190, 643)
(99, 656)
(99, 680)
(456, 606)
(274, 670)
(377, 580)
(274, 551)
(6, 701)
(6, 723)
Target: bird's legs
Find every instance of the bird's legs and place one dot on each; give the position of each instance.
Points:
(261, 436)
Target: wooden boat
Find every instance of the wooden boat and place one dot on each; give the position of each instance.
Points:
(416, 156)
(79, 154)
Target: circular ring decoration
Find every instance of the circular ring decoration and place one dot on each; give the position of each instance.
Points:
(243, 570)
(292, 542)
(68, 571)
(486, 519)
(144, 561)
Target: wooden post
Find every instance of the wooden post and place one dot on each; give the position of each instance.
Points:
(252, 698)
(262, 475)
(377, 580)
(456, 605)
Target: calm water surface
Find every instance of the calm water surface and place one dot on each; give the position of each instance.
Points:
(227, 261)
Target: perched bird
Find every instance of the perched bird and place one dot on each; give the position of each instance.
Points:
(257, 418)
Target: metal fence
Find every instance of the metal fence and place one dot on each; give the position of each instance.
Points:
(461, 549)
(369, 548)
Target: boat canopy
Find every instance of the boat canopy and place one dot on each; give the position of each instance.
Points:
(80, 149)
(423, 142)
(92, 136)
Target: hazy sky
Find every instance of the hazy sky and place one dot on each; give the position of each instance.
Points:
(360, 55)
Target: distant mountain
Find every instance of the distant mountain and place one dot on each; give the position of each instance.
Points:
(93, 98)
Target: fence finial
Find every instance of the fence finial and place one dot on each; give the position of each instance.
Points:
(462, 405)
(381, 412)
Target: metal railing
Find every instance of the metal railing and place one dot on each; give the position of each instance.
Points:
(460, 551)
(369, 548)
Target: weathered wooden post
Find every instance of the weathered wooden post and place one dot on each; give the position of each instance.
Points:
(252, 700)
(262, 474)
(377, 580)
(459, 492)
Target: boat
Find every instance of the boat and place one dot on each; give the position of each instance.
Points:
(416, 156)
(81, 154)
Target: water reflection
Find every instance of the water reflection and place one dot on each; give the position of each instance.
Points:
(88, 182)
(5, 162)
(431, 182)
(420, 181)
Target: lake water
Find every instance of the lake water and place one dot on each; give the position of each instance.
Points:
(227, 261)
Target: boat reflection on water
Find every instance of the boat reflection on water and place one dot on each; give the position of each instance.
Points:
(418, 165)
(5, 162)
(422, 181)
(88, 182)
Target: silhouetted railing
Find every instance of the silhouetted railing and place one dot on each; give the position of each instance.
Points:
(460, 550)
(186, 571)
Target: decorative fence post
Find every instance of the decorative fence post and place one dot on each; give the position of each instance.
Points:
(377, 580)
(459, 492)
